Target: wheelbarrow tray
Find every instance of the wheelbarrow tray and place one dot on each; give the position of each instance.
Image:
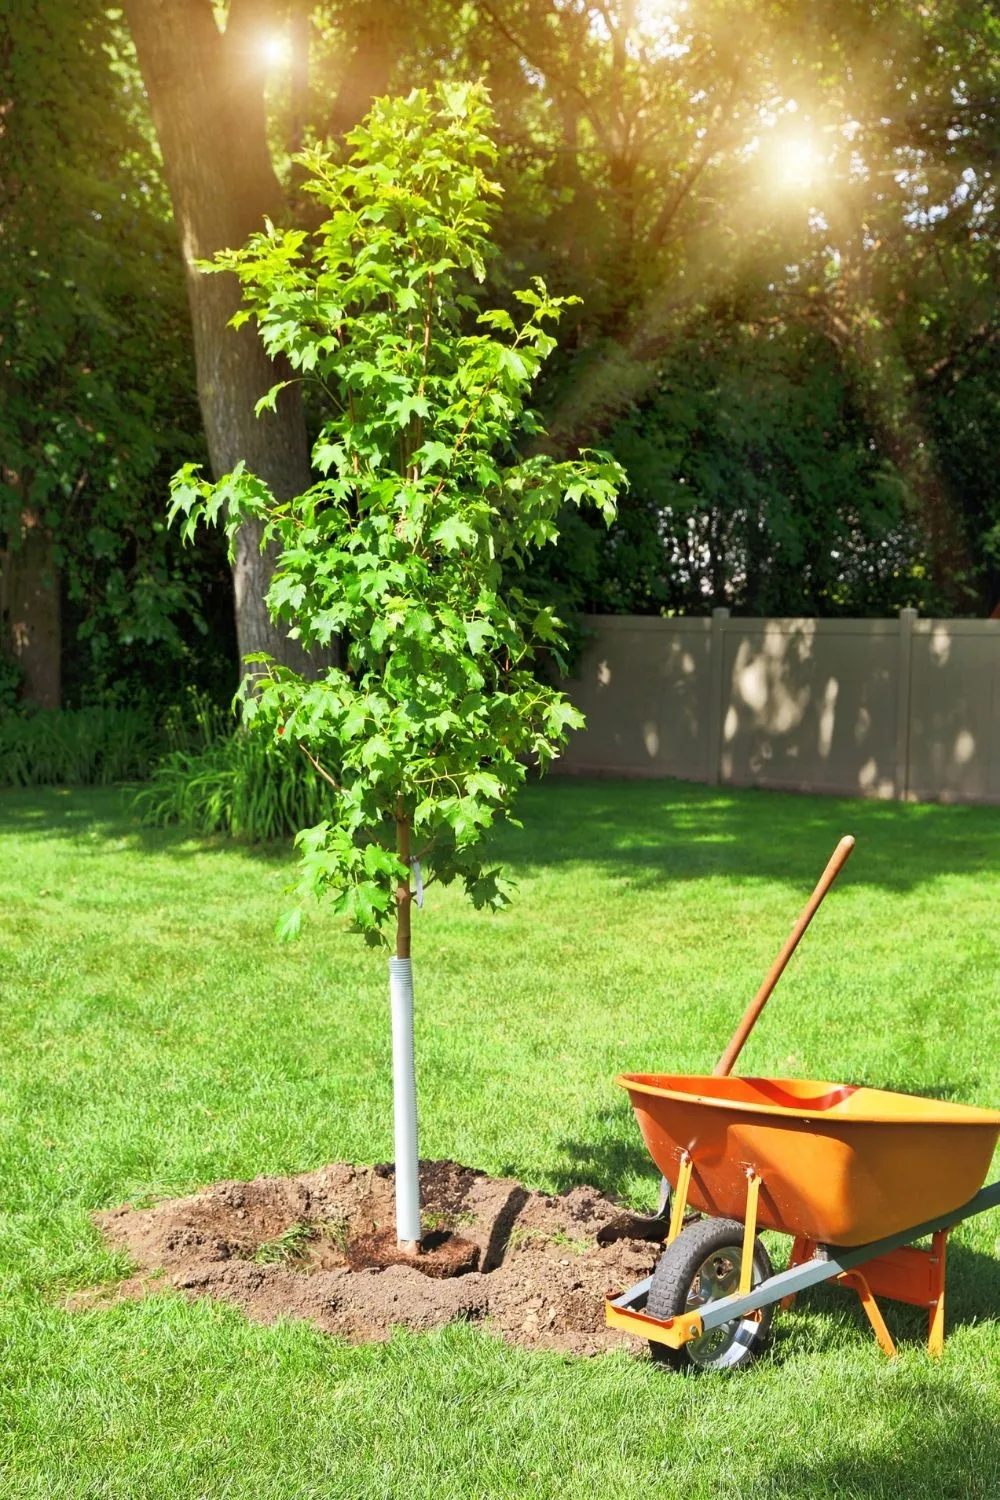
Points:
(838, 1165)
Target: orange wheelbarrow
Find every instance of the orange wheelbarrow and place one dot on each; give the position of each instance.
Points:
(853, 1175)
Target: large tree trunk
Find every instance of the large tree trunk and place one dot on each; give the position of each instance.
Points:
(206, 96)
(30, 611)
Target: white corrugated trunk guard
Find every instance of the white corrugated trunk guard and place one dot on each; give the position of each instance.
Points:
(404, 1102)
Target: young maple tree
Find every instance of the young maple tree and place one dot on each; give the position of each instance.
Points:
(426, 729)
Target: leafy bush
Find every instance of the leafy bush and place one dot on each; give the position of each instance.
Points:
(85, 746)
(234, 784)
(11, 680)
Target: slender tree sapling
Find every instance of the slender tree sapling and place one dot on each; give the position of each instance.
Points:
(426, 730)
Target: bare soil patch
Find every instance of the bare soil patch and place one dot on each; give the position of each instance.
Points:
(322, 1246)
(442, 1253)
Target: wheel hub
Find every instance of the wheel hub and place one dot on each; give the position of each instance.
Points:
(718, 1276)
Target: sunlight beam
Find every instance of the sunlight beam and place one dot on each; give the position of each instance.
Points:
(795, 160)
(275, 49)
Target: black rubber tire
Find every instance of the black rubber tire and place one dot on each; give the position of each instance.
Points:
(673, 1280)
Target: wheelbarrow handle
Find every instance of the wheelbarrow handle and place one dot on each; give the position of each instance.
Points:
(836, 863)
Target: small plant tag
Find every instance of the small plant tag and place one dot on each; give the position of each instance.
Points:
(419, 882)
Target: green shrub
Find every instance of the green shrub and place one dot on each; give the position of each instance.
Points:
(234, 784)
(11, 681)
(83, 747)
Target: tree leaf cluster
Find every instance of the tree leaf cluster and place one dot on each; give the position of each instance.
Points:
(423, 499)
(753, 198)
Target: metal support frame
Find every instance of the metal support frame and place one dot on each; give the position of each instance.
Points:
(829, 1262)
(935, 1328)
(679, 1206)
(749, 1232)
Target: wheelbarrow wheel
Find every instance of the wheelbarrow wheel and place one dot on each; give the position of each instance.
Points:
(701, 1266)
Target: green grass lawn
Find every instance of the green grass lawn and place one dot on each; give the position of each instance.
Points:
(155, 1038)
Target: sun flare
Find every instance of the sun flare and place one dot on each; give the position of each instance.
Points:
(796, 161)
(274, 48)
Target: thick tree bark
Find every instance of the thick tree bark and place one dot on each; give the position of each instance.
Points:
(381, 28)
(206, 96)
(30, 612)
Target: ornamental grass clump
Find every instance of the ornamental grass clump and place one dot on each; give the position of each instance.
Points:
(424, 733)
(77, 747)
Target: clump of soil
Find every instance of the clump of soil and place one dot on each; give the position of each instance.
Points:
(441, 1253)
(322, 1246)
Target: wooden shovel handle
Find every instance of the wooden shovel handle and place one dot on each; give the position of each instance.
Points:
(837, 861)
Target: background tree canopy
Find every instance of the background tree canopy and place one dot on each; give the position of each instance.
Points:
(782, 219)
(97, 404)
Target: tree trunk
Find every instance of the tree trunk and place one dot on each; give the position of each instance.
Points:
(206, 96)
(30, 612)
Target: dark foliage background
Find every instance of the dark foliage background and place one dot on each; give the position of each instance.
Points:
(782, 221)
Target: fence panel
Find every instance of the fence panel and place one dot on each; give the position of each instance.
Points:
(645, 688)
(955, 711)
(810, 705)
(880, 708)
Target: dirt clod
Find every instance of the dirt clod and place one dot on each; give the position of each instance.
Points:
(441, 1253)
(322, 1246)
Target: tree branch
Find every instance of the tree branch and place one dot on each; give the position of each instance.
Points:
(545, 65)
(709, 145)
(321, 769)
(985, 336)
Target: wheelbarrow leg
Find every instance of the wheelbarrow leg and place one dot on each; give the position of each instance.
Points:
(935, 1331)
(871, 1307)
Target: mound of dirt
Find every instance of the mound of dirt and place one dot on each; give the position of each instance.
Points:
(314, 1246)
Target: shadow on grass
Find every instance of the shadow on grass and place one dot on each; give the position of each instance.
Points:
(104, 815)
(942, 1446)
(612, 1153)
(653, 833)
(973, 1287)
(649, 834)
